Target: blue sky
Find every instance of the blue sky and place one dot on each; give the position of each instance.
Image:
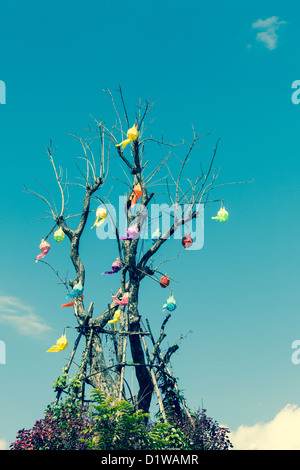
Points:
(224, 67)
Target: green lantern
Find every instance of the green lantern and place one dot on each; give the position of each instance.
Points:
(222, 215)
(59, 235)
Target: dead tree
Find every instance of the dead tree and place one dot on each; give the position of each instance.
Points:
(148, 361)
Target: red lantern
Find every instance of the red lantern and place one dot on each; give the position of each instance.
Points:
(187, 241)
(164, 281)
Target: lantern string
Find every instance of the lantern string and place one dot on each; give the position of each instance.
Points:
(45, 238)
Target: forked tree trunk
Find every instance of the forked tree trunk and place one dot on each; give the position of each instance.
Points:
(137, 350)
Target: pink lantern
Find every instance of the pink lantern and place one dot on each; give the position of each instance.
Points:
(44, 247)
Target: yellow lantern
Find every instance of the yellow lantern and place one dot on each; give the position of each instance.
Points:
(132, 134)
(61, 344)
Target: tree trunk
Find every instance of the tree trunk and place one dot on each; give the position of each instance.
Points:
(137, 351)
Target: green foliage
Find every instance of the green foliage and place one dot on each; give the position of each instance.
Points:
(116, 424)
(61, 381)
(109, 424)
(74, 386)
(172, 399)
(164, 436)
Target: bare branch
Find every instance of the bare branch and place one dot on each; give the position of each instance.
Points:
(124, 107)
(57, 179)
(65, 283)
(42, 198)
(158, 167)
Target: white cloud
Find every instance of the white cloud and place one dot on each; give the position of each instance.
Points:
(3, 444)
(281, 433)
(268, 34)
(22, 317)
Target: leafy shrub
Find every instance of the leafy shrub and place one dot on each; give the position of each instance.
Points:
(116, 425)
(109, 424)
(203, 433)
(60, 429)
(164, 436)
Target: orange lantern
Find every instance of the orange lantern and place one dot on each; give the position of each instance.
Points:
(136, 194)
(70, 304)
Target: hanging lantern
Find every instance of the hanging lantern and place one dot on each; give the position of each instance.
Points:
(101, 214)
(59, 235)
(70, 304)
(61, 344)
(44, 247)
(115, 319)
(170, 304)
(135, 195)
(156, 235)
(123, 300)
(132, 233)
(187, 241)
(222, 215)
(76, 292)
(132, 135)
(115, 267)
(164, 281)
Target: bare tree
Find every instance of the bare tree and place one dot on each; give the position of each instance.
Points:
(136, 257)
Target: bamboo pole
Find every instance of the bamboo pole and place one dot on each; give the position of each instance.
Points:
(123, 361)
(156, 346)
(82, 375)
(160, 402)
(67, 368)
